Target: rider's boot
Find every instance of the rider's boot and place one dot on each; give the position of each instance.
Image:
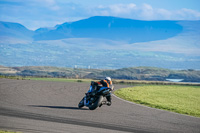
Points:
(103, 103)
(109, 103)
(108, 100)
(100, 105)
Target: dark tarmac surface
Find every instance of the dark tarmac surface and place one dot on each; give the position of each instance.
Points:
(51, 107)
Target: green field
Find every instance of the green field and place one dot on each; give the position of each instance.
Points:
(175, 98)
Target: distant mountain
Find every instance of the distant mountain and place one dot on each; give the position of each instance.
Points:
(112, 28)
(15, 30)
(103, 42)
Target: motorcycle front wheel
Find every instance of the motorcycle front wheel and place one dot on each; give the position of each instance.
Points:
(81, 103)
(96, 104)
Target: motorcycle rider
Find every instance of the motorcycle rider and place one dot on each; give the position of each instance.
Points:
(107, 82)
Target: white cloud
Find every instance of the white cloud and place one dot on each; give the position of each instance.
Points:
(114, 10)
(144, 12)
(147, 12)
(187, 14)
(164, 14)
(122, 8)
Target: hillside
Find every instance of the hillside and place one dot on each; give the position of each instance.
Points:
(133, 73)
(112, 28)
(90, 42)
(149, 73)
(15, 30)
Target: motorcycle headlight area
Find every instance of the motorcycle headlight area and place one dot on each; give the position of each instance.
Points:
(106, 92)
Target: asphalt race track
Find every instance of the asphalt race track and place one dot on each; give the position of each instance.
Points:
(51, 107)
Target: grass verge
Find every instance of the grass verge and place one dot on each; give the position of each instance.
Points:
(175, 98)
(59, 79)
(8, 132)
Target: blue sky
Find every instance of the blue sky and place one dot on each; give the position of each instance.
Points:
(47, 13)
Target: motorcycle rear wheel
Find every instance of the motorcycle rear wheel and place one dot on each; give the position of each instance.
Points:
(96, 103)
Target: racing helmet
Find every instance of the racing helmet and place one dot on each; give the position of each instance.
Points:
(108, 78)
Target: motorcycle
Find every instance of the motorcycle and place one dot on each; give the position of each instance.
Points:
(95, 99)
